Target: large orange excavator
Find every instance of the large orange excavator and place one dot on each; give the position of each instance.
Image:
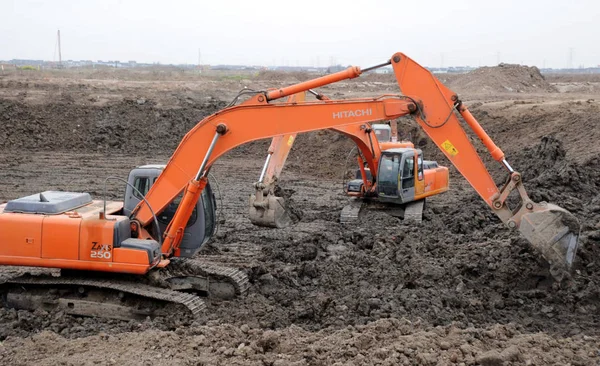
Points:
(81, 237)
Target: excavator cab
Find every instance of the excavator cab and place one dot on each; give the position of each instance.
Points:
(404, 176)
(397, 175)
(202, 223)
(404, 180)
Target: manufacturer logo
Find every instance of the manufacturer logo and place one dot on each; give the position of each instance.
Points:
(355, 113)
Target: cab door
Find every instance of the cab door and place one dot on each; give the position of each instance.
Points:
(389, 174)
(407, 181)
(420, 178)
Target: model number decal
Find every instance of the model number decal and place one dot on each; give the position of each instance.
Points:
(101, 251)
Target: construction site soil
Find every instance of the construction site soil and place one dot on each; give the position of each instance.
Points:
(460, 288)
(503, 78)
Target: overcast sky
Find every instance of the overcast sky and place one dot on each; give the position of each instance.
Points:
(317, 33)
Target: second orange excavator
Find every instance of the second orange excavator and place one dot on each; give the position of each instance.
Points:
(399, 185)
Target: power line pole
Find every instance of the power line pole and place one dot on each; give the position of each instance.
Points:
(199, 57)
(570, 64)
(59, 51)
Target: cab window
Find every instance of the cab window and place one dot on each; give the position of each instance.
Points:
(408, 173)
(167, 215)
(420, 167)
(142, 184)
(209, 214)
(382, 135)
(388, 175)
(409, 168)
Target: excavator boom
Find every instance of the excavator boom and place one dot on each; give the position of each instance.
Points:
(550, 229)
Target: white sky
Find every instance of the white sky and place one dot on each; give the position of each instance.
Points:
(362, 33)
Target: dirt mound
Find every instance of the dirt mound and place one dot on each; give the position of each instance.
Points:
(550, 176)
(504, 78)
(127, 126)
(384, 342)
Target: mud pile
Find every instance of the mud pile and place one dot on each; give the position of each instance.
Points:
(127, 126)
(504, 78)
(551, 177)
(140, 126)
(384, 342)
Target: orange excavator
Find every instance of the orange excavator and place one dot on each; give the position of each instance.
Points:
(100, 248)
(404, 179)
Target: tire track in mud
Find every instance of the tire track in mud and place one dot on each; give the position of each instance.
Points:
(25, 173)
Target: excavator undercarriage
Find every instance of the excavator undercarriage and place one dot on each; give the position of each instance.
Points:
(177, 289)
(175, 285)
(352, 212)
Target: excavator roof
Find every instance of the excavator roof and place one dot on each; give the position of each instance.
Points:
(152, 166)
(400, 150)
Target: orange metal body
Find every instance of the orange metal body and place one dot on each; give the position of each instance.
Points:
(280, 147)
(349, 73)
(73, 240)
(393, 145)
(434, 181)
(437, 118)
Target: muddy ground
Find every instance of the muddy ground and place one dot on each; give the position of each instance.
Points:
(458, 289)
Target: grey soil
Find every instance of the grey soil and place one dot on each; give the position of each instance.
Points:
(460, 288)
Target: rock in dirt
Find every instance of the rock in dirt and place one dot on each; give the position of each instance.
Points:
(495, 358)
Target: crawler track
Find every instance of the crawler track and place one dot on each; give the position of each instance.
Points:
(351, 211)
(179, 284)
(193, 303)
(218, 281)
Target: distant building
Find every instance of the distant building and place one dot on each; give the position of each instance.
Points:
(19, 62)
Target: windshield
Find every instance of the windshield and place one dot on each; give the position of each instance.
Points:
(388, 175)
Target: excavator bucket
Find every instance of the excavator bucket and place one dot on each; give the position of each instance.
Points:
(269, 211)
(554, 232)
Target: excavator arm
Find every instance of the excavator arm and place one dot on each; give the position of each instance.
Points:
(550, 229)
(233, 127)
